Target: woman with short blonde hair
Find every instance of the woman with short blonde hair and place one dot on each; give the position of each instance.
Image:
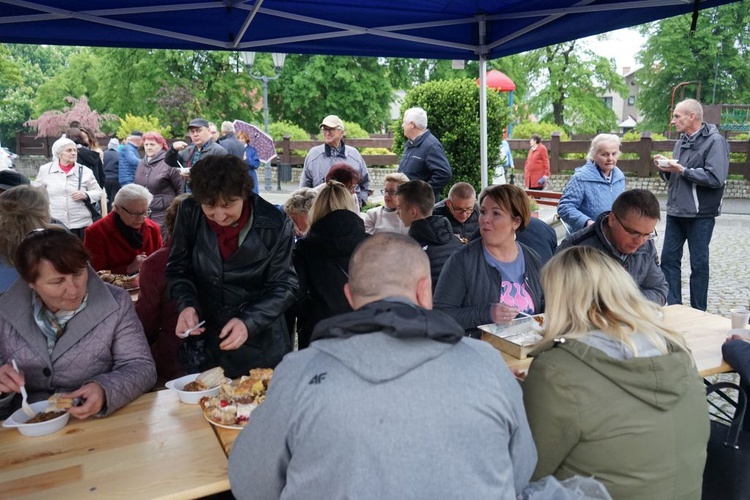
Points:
(613, 393)
(384, 218)
(22, 209)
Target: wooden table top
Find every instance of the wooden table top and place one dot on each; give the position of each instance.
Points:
(704, 333)
(155, 447)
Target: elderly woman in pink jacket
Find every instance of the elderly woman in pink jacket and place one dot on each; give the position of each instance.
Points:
(69, 332)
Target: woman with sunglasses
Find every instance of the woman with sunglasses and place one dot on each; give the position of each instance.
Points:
(122, 240)
(69, 332)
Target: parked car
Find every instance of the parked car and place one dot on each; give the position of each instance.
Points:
(7, 158)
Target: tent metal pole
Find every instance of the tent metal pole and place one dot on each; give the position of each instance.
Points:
(483, 100)
(483, 117)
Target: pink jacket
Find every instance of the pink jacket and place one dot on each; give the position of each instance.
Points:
(104, 343)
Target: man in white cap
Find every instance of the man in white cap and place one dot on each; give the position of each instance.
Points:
(320, 159)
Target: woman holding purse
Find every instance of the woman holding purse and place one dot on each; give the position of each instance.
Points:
(71, 187)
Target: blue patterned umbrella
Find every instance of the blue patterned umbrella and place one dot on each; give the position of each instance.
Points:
(262, 142)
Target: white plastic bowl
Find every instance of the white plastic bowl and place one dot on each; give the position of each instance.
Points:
(663, 163)
(19, 419)
(190, 397)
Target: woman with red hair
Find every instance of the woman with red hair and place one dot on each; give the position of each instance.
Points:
(162, 181)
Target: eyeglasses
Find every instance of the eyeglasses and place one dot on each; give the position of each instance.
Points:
(389, 192)
(328, 130)
(635, 234)
(465, 211)
(147, 213)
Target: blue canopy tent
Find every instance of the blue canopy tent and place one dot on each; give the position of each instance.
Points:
(437, 29)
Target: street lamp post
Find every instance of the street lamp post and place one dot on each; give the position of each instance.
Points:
(248, 58)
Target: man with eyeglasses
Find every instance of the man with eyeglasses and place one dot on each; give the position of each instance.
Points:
(460, 208)
(626, 233)
(122, 240)
(320, 159)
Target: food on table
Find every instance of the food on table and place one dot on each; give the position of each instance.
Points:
(206, 380)
(121, 280)
(59, 403)
(44, 416)
(235, 401)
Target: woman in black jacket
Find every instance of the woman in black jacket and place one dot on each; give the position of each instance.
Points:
(230, 264)
(322, 257)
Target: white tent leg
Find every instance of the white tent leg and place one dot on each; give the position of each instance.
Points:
(483, 118)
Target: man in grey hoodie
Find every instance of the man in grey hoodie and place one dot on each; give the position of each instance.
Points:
(389, 401)
(696, 175)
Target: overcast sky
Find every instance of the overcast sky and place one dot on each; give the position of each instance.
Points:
(621, 44)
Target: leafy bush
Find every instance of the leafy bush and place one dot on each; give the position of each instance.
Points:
(354, 131)
(375, 151)
(278, 130)
(526, 129)
(739, 157)
(453, 117)
(142, 124)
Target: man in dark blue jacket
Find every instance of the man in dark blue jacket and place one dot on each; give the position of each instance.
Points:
(424, 158)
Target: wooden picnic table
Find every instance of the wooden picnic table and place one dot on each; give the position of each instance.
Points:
(155, 447)
(704, 333)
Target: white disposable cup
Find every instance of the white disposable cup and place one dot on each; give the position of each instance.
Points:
(740, 317)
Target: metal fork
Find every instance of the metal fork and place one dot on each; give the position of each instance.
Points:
(25, 406)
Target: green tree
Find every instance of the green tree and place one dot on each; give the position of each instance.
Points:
(670, 56)
(572, 82)
(453, 117)
(35, 64)
(356, 89)
(407, 73)
(79, 77)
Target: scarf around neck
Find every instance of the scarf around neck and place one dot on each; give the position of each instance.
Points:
(134, 237)
(228, 237)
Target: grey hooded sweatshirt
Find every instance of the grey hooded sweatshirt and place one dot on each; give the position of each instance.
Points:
(393, 402)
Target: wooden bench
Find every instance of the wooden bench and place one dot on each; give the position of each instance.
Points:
(550, 198)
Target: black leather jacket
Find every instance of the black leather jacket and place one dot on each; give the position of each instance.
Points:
(256, 284)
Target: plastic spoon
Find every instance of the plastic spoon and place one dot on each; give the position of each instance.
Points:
(25, 406)
(187, 332)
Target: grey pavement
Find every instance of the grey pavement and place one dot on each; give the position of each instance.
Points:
(729, 284)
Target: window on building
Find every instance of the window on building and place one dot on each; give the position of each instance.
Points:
(607, 102)
(631, 100)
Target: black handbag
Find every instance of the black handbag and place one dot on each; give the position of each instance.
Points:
(727, 472)
(93, 210)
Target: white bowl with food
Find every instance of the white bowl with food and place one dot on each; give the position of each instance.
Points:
(192, 397)
(56, 420)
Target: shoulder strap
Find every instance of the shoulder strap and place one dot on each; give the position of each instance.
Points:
(80, 174)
